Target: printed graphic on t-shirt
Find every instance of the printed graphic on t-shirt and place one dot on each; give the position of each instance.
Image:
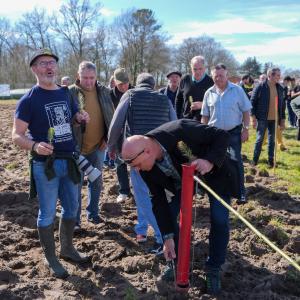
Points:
(59, 117)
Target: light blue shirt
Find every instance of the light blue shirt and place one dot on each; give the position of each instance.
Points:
(193, 79)
(226, 110)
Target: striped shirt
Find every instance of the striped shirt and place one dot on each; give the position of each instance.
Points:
(226, 110)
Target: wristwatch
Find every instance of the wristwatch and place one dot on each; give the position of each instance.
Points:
(246, 127)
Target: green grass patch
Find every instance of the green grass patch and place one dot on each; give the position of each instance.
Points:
(12, 166)
(276, 222)
(9, 101)
(288, 167)
(130, 294)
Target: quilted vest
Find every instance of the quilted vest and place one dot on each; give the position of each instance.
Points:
(147, 110)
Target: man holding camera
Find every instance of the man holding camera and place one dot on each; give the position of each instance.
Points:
(46, 106)
(95, 99)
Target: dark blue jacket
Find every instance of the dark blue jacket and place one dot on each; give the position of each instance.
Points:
(260, 101)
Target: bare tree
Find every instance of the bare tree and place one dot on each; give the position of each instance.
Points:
(138, 32)
(212, 51)
(72, 22)
(104, 50)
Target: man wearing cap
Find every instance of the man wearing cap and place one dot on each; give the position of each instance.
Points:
(140, 110)
(122, 81)
(191, 90)
(92, 142)
(170, 91)
(52, 168)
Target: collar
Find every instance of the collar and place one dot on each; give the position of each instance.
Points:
(199, 80)
(168, 88)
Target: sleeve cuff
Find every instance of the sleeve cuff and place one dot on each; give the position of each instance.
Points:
(167, 236)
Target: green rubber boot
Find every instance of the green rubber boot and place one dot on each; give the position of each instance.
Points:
(67, 250)
(46, 234)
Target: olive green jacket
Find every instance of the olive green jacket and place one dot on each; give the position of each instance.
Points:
(106, 105)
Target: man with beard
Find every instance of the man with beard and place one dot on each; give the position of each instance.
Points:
(170, 91)
(47, 106)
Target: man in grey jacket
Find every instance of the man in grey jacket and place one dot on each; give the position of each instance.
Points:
(139, 111)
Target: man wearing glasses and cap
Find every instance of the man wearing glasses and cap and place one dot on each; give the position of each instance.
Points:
(140, 110)
(170, 91)
(46, 106)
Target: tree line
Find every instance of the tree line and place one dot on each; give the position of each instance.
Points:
(76, 32)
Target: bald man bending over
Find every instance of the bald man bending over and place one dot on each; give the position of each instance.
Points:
(157, 158)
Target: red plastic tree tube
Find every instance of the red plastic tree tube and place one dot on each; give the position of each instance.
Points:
(186, 211)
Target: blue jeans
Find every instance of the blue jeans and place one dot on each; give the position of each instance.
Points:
(219, 232)
(291, 113)
(143, 206)
(262, 126)
(235, 150)
(96, 158)
(61, 187)
(107, 159)
(122, 174)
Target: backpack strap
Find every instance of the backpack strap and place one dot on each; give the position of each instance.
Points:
(69, 95)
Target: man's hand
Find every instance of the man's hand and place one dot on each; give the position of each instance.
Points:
(43, 148)
(250, 93)
(254, 124)
(196, 105)
(103, 145)
(202, 165)
(245, 135)
(169, 249)
(85, 116)
(282, 125)
(112, 155)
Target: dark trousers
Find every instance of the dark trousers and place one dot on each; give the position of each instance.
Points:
(219, 232)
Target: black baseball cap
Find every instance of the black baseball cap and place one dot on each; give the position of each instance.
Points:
(41, 52)
(174, 72)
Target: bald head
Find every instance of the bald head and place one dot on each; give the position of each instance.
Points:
(145, 150)
(133, 145)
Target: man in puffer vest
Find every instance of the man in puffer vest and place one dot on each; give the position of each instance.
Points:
(139, 111)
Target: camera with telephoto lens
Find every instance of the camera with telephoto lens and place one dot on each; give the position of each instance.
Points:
(83, 164)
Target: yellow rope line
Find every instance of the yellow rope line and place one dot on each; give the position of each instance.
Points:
(247, 223)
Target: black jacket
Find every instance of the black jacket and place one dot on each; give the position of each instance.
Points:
(206, 142)
(116, 95)
(260, 101)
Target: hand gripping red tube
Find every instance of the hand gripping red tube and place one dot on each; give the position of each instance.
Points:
(186, 211)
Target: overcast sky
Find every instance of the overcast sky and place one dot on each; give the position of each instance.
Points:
(269, 30)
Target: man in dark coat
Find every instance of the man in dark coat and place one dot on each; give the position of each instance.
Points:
(158, 159)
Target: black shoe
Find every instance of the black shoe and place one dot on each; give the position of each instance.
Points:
(95, 220)
(285, 149)
(253, 163)
(156, 249)
(213, 282)
(168, 275)
(271, 164)
(241, 201)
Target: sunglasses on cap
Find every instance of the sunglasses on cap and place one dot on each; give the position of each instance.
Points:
(129, 161)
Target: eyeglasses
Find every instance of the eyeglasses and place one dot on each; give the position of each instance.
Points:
(129, 161)
(44, 64)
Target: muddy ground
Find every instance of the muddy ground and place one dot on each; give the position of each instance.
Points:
(117, 267)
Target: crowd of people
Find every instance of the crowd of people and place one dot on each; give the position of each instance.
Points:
(138, 127)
